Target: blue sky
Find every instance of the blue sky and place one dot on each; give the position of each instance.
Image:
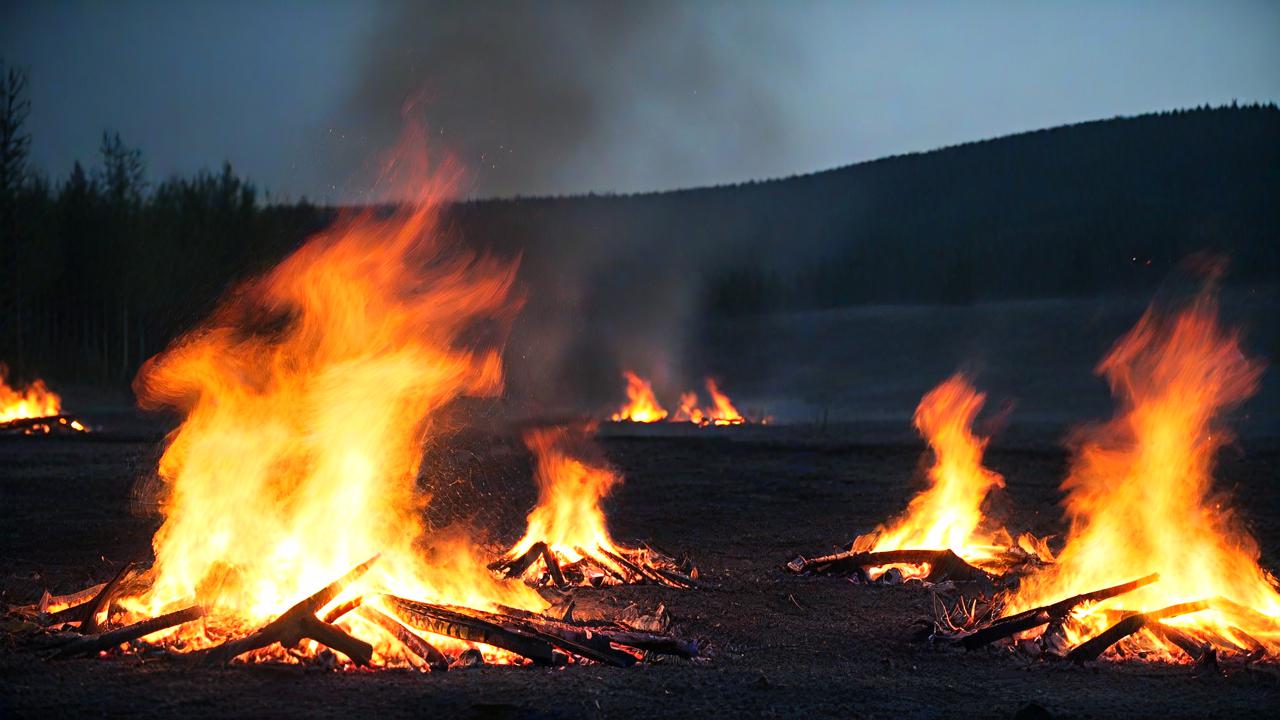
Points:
(571, 96)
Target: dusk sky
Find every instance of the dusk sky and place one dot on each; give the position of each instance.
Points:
(566, 96)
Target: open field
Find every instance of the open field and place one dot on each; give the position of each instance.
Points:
(742, 503)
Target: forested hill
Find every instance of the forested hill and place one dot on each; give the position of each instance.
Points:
(1097, 207)
(101, 268)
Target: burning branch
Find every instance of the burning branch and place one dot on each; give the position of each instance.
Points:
(300, 622)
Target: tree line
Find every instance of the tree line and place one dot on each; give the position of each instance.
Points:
(101, 268)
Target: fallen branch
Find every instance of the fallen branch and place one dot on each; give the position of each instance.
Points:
(1095, 646)
(942, 563)
(90, 644)
(300, 622)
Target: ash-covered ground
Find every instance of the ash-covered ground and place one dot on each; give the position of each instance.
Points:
(742, 500)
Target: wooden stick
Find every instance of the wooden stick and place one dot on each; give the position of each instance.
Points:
(994, 632)
(101, 603)
(434, 659)
(1095, 646)
(300, 622)
(553, 567)
(1192, 646)
(90, 644)
(434, 619)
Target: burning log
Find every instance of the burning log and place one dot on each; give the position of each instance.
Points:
(438, 620)
(434, 659)
(1028, 619)
(91, 644)
(943, 564)
(300, 622)
(1095, 646)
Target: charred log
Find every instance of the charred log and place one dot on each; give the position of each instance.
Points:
(441, 621)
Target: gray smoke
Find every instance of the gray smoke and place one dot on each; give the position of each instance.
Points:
(534, 94)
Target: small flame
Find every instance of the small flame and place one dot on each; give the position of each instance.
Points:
(1139, 493)
(948, 514)
(34, 401)
(689, 410)
(641, 404)
(568, 516)
(722, 411)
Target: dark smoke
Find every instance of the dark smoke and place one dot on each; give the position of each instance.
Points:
(535, 94)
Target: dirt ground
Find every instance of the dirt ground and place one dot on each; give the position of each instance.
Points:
(744, 503)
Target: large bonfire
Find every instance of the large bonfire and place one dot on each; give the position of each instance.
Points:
(1141, 502)
(292, 510)
(307, 398)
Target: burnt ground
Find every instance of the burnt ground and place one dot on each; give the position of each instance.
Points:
(782, 645)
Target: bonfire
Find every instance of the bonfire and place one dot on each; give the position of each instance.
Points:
(944, 533)
(1181, 573)
(567, 540)
(642, 405)
(33, 410)
(289, 494)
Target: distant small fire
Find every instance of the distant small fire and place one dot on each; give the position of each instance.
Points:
(32, 410)
(19, 403)
(642, 405)
(567, 540)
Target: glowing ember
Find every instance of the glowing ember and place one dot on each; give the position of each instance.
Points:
(641, 404)
(1140, 498)
(33, 401)
(307, 398)
(567, 539)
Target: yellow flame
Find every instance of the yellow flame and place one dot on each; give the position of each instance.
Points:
(641, 405)
(1139, 494)
(948, 514)
(568, 516)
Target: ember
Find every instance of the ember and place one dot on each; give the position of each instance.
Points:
(567, 541)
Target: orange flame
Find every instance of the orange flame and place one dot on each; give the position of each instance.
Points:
(1139, 494)
(34, 401)
(948, 514)
(568, 515)
(689, 410)
(641, 404)
(307, 397)
(722, 411)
